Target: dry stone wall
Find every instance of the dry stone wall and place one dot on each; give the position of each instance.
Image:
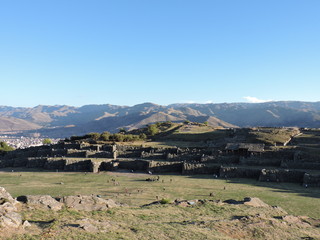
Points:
(311, 180)
(239, 172)
(281, 175)
(200, 168)
(271, 165)
(163, 166)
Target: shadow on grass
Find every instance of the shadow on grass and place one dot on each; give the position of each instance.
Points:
(281, 187)
(24, 169)
(42, 224)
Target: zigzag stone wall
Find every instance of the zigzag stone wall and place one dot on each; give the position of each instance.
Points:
(272, 166)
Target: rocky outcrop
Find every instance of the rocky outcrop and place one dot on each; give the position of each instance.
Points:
(79, 202)
(249, 201)
(90, 225)
(43, 201)
(254, 202)
(88, 203)
(9, 216)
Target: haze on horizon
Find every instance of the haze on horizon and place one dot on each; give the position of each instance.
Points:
(172, 51)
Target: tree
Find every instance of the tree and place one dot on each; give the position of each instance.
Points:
(4, 147)
(94, 136)
(143, 136)
(206, 123)
(122, 130)
(152, 129)
(105, 136)
(46, 141)
(118, 137)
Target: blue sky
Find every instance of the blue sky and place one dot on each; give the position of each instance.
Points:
(126, 52)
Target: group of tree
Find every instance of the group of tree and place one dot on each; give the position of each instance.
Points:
(122, 137)
(114, 137)
(154, 129)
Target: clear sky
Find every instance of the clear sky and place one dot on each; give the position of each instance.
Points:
(126, 52)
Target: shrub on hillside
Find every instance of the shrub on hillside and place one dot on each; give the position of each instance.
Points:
(153, 129)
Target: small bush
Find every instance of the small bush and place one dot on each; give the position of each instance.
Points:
(165, 201)
(46, 141)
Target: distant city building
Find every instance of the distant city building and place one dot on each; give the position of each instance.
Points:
(24, 142)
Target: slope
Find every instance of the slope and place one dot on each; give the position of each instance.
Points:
(15, 124)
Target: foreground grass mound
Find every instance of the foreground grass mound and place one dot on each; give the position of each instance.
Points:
(193, 219)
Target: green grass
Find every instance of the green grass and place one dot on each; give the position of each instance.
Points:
(292, 197)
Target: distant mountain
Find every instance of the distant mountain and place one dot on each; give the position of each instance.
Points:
(63, 121)
(273, 114)
(15, 124)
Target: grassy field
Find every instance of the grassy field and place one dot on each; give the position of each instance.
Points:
(164, 221)
(292, 197)
(272, 135)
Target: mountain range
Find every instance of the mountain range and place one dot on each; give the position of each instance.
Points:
(64, 121)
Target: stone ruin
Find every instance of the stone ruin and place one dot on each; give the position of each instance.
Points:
(233, 160)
